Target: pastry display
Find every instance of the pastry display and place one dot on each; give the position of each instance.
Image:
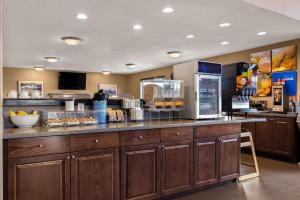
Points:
(87, 120)
(71, 121)
(54, 122)
(115, 115)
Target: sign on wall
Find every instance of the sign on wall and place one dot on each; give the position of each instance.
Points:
(290, 78)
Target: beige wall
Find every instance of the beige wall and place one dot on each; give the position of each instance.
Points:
(134, 79)
(245, 56)
(126, 83)
(1, 120)
(50, 79)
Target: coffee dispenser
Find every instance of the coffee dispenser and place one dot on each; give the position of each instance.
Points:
(280, 99)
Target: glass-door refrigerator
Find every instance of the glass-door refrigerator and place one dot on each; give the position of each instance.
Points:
(208, 100)
(202, 86)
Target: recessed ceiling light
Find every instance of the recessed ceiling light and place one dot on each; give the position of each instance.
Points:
(262, 33)
(130, 65)
(71, 40)
(106, 72)
(39, 68)
(190, 36)
(51, 59)
(81, 16)
(226, 24)
(167, 10)
(174, 54)
(224, 43)
(137, 27)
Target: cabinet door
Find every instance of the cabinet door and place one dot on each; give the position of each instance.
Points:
(282, 136)
(95, 175)
(42, 177)
(140, 172)
(263, 136)
(229, 157)
(205, 162)
(177, 166)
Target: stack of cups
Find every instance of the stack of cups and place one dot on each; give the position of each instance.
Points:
(100, 108)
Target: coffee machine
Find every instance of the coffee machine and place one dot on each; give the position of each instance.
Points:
(280, 99)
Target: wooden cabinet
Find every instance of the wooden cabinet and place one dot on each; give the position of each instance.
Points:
(216, 159)
(132, 165)
(95, 175)
(140, 172)
(229, 157)
(177, 167)
(276, 138)
(42, 177)
(264, 135)
(206, 161)
(282, 136)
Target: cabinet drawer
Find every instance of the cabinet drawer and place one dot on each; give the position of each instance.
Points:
(174, 134)
(26, 147)
(129, 138)
(94, 141)
(217, 130)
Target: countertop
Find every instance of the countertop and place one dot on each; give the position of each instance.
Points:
(14, 133)
(269, 114)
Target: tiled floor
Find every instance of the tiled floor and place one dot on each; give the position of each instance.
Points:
(278, 181)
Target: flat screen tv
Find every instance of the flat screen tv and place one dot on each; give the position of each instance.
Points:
(71, 81)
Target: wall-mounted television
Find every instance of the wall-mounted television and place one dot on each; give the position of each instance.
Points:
(71, 81)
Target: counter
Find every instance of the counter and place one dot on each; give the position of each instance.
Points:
(13, 133)
(268, 114)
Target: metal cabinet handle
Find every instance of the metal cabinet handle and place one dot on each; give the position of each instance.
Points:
(73, 157)
(96, 140)
(141, 137)
(41, 145)
(162, 146)
(177, 133)
(68, 157)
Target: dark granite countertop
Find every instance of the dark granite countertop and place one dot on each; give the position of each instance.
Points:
(269, 114)
(12, 133)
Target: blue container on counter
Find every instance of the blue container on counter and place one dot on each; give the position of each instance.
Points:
(100, 108)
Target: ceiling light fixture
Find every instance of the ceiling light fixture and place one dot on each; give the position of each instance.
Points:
(137, 27)
(226, 24)
(167, 10)
(224, 43)
(39, 68)
(262, 33)
(81, 16)
(190, 36)
(130, 65)
(51, 59)
(106, 72)
(174, 54)
(71, 40)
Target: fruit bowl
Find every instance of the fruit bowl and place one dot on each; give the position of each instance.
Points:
(26, 121)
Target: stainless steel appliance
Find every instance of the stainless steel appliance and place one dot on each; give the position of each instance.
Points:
(280, 99)
(202, 89)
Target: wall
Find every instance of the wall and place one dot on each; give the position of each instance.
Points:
(134, 79)
(50, 79)
(245, 57)
(1, 120)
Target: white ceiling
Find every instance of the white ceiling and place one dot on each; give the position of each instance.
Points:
(33, 28)
(289, 8)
